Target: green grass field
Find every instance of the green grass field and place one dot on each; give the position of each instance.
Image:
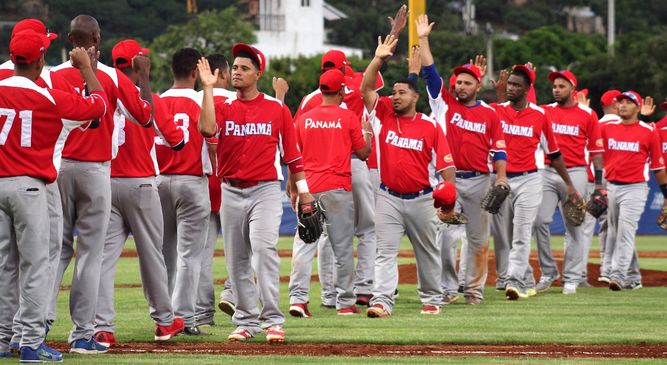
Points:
(592, 316)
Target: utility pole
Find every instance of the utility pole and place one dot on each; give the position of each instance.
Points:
(611, 26)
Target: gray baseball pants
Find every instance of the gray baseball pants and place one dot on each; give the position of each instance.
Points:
(24, 228)
(135, 207)
(185, 209)
(626, 205)
(205, 307)
(417, 218)
(516, 218)
(339, 225)
(250, 226)
(85, 191)
(555, 193)
(470, 192)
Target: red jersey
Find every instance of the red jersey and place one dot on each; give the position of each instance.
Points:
(630, 151)
(577, 131)
(591, 169)
(472, 132)
(136, 145)
(353, 101)
(327, 136)
(24, 108)
(662, 132)
(7, 71)
(662, 122)
(406, 148)
(253, 135)
(184, 105)
(117, 88)
(524, 131)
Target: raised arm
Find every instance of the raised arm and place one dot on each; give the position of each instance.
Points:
(207, 125)
(384, 50)
(280, 87)
(399, 21)
(142, 65)
(429, 71)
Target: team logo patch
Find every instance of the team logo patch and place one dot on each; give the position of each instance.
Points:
(449, 158)
(599, 143)
(500, 144)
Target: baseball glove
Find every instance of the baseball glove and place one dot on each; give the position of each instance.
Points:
(495, 197)
(311, 221)
(662, 218)
(597, 205)
(574, 210)
(452, 217)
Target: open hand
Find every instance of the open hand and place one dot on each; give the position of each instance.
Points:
(385, 48)
(206, 77)
(423, 26)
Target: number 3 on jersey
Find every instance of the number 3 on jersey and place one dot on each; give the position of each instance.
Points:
(182, 121)
(26, 125)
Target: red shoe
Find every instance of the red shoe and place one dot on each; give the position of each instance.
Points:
(275, 334)
(239, 334)
(349, 311)
(377, 311)
(363, 299)
(430, 309)
(165, 333)
(105, 339)
(300, 310)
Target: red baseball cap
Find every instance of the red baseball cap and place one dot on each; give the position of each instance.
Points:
(332, 80)
(633, 96)
(256, 53)
(527, 70)
(608, 97)
(334, 59)
(124, 51)
(452, 82)
(444, 195)
(663, 105)
(27, 46)
(349, 72)
(469, 69)
(35, 25)
(567, 75)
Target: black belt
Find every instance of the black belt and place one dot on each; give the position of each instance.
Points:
(469, 174)
(240, 184)
(517, 174)
(408, 195)
(625, 183)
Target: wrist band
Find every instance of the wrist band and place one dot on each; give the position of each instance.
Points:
(598, 177)
(302, 186)
(663, 188)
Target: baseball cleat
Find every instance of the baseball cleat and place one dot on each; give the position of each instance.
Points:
(512, 293)
(604, 279)
(87, 347)
(349, 311)
(474, 301)
(275, 334)
(615, 285)
(450, 298)
(239, 334)
(570, 288)
(363, 299)
(545, 283)
(192, 331)
(165, 333)
(633, 285)
(430, 309)
(42, 353)
(531, 292)
(300, 310)
(227, 307)
(106, 339)
(377, 311)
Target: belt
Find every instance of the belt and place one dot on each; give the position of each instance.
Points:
(517, 174)
(469, 174)
(407, 196)
(624, 183)
(241, 184)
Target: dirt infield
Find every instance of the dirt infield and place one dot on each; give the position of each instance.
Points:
(365, 350)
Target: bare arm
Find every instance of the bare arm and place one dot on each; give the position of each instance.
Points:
(280, 87)
(206, 124)
(423, 31)
(399, 21)
(449, 174)
(559, 164)
(142, 65)
(80, 59)
(367, 131)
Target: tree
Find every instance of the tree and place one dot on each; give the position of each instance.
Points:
(213, 31)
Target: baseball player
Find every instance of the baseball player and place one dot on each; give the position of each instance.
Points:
(85, 182)
(327, 136)
(525, 126)
(28, 162)
(629, 146)
(183, 188)
(254, 132)
(205, 308)
(10, 333)
(408, 143)
(364, 223)
(577, 131)
(135, 207)
(474, 131)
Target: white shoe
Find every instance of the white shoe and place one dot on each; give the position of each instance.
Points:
(570, 288)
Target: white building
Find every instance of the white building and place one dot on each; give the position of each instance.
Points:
(292, 28)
